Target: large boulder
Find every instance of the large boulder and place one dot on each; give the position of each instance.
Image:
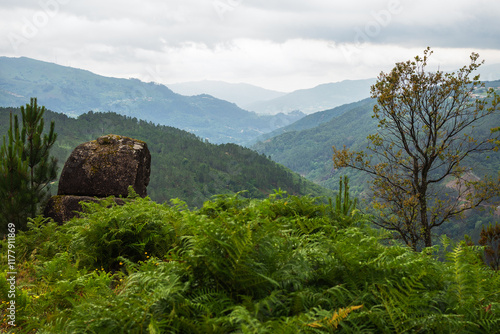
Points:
(107, 167)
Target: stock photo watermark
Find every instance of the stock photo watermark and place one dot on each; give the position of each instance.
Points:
(224, 6)
(31, 25)
(380, 19)
(11, 275)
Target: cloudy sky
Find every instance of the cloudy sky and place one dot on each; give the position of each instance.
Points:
(276, 44)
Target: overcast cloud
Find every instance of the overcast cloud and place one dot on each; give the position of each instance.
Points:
(282, 45)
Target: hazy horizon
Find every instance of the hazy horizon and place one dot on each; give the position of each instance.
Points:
(282, 46)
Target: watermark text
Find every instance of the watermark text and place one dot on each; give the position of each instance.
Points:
(32, 25)
(11, 274)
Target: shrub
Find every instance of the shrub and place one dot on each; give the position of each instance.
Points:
(135, 231)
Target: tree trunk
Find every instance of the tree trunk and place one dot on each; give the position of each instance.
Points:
(424, 221)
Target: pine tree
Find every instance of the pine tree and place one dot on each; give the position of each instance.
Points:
(26, 167)
(14, 191)
(42, 167)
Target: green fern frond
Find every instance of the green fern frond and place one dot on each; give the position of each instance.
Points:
(469, 282)
(406, 304)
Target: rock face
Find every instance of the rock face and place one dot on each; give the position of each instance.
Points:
(107, 167)
(100, 168)
(62, 208)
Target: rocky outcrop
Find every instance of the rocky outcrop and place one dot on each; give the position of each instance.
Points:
(100, 168)
(107, 167)
(62, 208)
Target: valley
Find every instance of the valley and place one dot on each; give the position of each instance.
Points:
(292, 131)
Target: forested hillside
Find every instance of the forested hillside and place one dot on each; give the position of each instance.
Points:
(313, 120)
(183, 165)
(308, 151)
(307, 145)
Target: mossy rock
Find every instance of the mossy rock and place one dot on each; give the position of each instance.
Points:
(62, 208)
(107, 167)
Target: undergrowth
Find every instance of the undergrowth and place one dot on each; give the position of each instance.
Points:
(284, 264)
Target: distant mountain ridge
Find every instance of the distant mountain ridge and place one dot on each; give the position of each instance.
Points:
(74, 92)
(240, 93)
(313, 120)
(263, 101)
(330, 95)
(322, 97)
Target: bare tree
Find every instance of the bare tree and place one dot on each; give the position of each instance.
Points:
(426, 122)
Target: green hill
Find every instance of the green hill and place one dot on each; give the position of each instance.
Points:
(308, 151)
(312, 120)
(307, 145)
(183, 165)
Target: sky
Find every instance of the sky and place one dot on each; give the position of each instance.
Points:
(275, 44)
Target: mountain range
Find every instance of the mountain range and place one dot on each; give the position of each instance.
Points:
(74, 91)
(242, 94)
(217, 111)
(322, 97)
(262, 101)
(302, 143)
(308, 101)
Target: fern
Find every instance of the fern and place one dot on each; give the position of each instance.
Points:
(468, 280)
(279, 265)
(134, 231)
(43, 240)
(406, 305)
(241, 317)
(336, 318)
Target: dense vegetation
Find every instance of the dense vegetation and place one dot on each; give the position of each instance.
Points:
(183, 165)
(279, 265)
